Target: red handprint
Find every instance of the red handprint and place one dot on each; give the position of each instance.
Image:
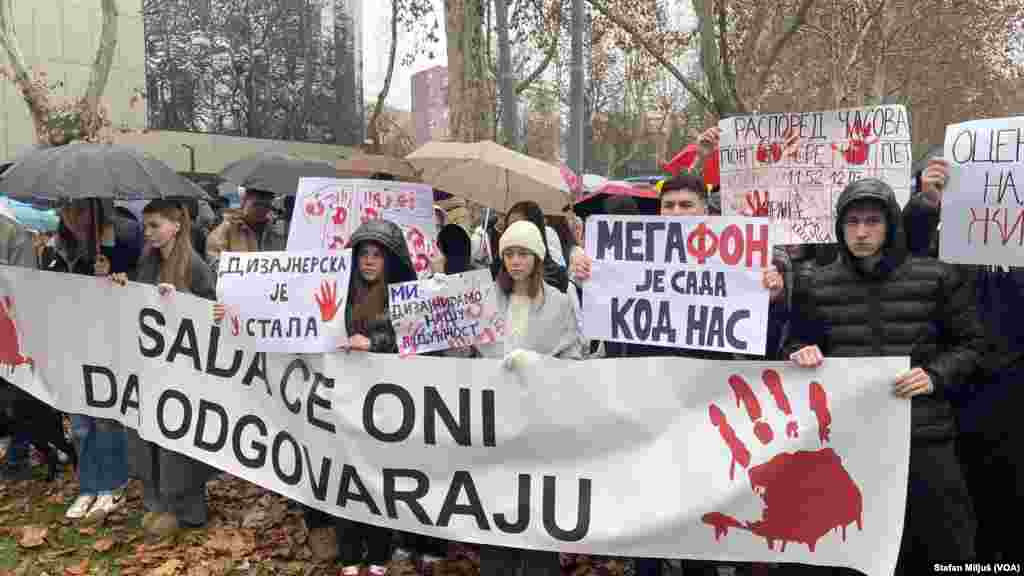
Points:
(859, 146)
(313, 207)
(806, 494)
(340, 215)
(10, 342)
(369, 214)
(756, 205)
(326, 300)
(336, 242)
(769, 153)
(416, 239)
(422, 263)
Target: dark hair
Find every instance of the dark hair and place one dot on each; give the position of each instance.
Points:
(684, 182)
(620, 205)
(382, 176)
(455, 245)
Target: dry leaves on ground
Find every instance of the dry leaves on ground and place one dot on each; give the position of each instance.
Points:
(33, 536)
(102, 545)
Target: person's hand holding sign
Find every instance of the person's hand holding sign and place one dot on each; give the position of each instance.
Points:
(359, 343)
(808, 357)
(913, 383)
(773, 282)
(580, 265)
(165, 289)
(933, 181)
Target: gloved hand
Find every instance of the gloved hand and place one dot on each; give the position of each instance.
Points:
(519, 359)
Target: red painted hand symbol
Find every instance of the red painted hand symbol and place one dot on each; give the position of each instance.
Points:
(326, 301)
(756, 205)
(340, 215)
(10, 343)
(806, 494)
(313, 207)
(859, 146)
(416, 239)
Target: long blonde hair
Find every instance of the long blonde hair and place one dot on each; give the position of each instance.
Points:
(177, 268)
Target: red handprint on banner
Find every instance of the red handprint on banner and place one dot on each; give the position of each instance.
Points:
(772, 153)
(756, 204)
(10, 341)
(858, 147)
(328, 301)
(806, 494)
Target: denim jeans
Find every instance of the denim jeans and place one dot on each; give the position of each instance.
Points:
(102, 457)
(17, 450)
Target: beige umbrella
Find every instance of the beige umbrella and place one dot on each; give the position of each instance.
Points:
(366, 165)
(491, 175)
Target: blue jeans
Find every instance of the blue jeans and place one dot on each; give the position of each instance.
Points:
(17, 450)
(102, 456)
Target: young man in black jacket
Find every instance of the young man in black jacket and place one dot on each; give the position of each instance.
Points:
(875, 300)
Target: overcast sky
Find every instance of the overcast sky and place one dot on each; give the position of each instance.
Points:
(375, 53)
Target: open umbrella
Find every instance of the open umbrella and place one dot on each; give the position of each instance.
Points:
(366, 165)
(275, 172)
(29, 216)
(50, 176)
(646, 198)
(491, 175)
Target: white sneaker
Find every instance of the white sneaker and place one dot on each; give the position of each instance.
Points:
(104, 505)
(80, 507)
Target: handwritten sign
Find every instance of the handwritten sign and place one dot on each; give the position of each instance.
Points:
(983, 206)
(446, 311)
(285, 301)
(792, 168)
(329, 210)
(689, 282)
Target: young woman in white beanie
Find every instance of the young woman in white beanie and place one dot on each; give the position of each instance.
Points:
(540, 321)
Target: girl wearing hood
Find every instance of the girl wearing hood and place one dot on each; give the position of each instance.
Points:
(382, 258)
(541, 321)
(173, 485)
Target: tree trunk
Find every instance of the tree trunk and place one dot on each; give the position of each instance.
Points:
(506, 79)
(373, 129)
(470, 115)
(100, 72)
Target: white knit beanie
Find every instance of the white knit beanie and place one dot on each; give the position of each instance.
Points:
(523, 234)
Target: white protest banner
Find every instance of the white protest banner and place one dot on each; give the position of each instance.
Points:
(983, 203)
(691, 282)
(445, 311)
(329, 210)
(285, 301)
(797, 186)
(704, 460)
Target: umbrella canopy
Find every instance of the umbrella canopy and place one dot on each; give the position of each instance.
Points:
(48, 176)
(491, 175)
(366, 165)
(275, 172)
(646, 198)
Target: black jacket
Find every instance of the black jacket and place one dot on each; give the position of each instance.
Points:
(906, 306)
(399, 269)
(124, 255)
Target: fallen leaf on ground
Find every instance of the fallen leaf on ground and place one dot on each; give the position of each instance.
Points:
(232, 541)
(169, 568)
(80, 570)
(103, 545)
(87, 530)
(56, 499)
(33, 536)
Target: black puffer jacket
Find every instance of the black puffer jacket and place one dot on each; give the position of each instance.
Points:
(916, 307)
(399, 269)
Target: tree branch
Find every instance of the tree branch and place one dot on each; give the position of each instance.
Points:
(782, 40)
(549, 56)
(378, 107)
(35, 98)
(692, 88)
(104, 57)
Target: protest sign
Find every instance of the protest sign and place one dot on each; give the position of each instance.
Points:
(566, 456)
(445, 311)
(796, 183)
(983, 203)
(329, 210)
(692, 282)
(286, 301)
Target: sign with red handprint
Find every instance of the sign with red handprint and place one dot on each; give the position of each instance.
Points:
(11, 355)
(445, 312)
(286, 301)
(332, 210)
(772, 164)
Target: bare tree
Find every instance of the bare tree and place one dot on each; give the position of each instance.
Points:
(56, 122)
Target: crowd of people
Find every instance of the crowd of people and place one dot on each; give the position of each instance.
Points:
(878, 291)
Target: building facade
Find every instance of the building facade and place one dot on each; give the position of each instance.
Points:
(430, 104)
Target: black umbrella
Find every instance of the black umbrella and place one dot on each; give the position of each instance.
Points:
(275, 172)
(51, 176)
